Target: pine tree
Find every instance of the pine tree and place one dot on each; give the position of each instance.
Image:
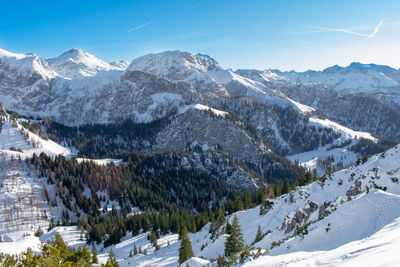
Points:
(112, 260)
(185, 251)
(94, 255)
(153, 239)
(85, 259)
(246, 199)
(135, 250)
(234, 243)
(259, 235)
(228, 229)
(285, 187)
(238, 204)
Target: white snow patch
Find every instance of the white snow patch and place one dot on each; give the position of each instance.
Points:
(203, 107)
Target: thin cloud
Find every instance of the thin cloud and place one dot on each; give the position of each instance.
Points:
(141, 26)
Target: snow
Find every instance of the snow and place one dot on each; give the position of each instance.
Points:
(203, 107)
(76, 64)
(346, 132)
(363, 229)
(122, 65)
(310, 159)
(159, 100)
(21, 245)
(350, 220)
(166, 256)
(342, 155)
(102, 162)
(160, 63)
(195, 262)
(5, 53)
(303, 108)
(379, 249)
(23, 205)
(206, 75)
(26, 64)
(359, 227)
(356, 78)
(12, 137)
(71, 235)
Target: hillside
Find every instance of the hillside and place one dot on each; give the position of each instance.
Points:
(325, 207)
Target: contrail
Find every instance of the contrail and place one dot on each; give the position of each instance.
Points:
(323, 29)
(372, 35)
(349, 31)
(141, 26)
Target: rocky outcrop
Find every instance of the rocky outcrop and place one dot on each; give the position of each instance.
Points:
(324, 210)
(354, 190)
(300, 216)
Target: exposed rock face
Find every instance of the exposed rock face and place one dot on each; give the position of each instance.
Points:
(323, 210)
(354, 190)
(204, 129)
(312, 206)
(300, 216)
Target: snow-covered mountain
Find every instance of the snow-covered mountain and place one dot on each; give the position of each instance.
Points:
(120, 64)
(77, 88)
(76, 63)
(205, 74)
(364, 97)
(355, 78)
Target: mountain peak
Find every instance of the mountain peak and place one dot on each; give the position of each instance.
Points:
(334, 68)
(5, 53)
(358, 65)
(75, 50)
(171, 61)
(120, 64)
(77, 63)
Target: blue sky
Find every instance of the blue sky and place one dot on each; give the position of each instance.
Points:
(258, 34)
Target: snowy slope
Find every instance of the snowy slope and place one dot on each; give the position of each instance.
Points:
(342, 155)
(20, 138)
(24, 207)
(24, 194)
(379, 249)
